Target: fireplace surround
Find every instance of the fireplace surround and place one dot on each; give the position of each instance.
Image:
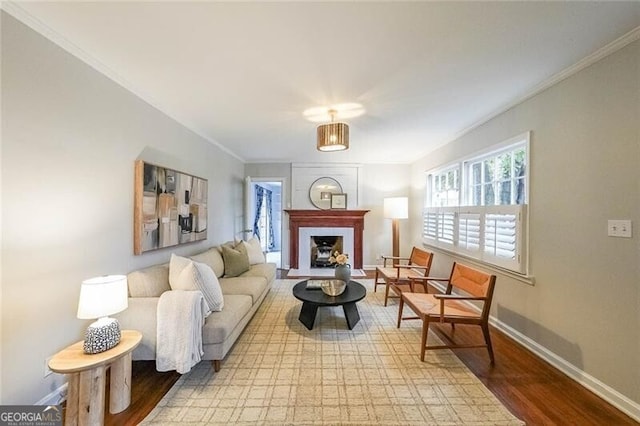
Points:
(339, 219)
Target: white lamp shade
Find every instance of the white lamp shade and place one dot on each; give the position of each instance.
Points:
(102, 296)
(396, 208)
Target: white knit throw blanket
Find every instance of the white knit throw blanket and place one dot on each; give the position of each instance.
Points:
(179, 335)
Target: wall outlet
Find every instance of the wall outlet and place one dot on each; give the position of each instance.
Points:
(619, 228)
(47, 370)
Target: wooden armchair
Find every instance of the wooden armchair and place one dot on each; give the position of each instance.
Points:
(403, 274)
(451, 307)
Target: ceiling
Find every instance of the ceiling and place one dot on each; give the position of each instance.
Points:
(242, 73)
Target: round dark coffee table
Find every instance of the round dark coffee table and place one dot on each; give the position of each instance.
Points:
(313, 299)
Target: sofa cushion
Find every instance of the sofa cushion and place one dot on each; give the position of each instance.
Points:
(213, 258)
(265, 270)
(254, 251)
(235, 259)
(149, 282)
(248, 286)
(198, 276)
(219, 325)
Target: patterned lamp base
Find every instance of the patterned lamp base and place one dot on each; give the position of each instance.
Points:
(101, 336)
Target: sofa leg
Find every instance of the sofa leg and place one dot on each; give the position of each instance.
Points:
(216, 365)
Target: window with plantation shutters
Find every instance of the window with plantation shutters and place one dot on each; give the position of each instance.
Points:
(490, 234)
(488, 223)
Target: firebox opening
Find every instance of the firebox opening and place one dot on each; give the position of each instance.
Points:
(322, 247)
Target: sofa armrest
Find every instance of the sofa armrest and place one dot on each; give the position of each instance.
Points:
(141, 315)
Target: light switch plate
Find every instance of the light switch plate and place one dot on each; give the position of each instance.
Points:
(619, 228)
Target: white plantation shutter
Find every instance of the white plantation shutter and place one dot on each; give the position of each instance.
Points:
(469, 230)
(430, 225)
(503, 236)
(446, 225)
(493, 234)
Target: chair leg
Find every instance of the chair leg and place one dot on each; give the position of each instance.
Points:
(400, 311)
(386, 293)
(487, 339)
(425, 332)
(375, 282)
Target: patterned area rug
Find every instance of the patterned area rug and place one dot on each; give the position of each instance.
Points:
(279, 373)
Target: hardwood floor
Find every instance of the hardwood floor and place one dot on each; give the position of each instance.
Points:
(532, 389)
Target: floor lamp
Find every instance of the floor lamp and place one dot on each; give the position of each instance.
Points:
(396, 208)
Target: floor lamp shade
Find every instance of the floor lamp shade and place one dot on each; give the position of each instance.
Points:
(396, 208)
(99, 298)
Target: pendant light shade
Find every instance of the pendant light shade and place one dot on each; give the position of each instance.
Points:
(333, 137)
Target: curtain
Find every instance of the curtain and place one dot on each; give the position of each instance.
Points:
(270, 238)
(256, 221)
(263, 196)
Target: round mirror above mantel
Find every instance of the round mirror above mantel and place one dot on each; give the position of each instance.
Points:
(321, 190)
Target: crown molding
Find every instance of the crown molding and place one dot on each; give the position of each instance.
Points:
(585, 62)
(41, 28)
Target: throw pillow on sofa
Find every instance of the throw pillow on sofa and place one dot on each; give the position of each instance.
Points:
(176, 265)
(254, 251)
(193, 275)
(204, 279)
(236, 260)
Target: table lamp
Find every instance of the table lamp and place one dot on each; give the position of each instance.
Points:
(396, 208)
(99, 298)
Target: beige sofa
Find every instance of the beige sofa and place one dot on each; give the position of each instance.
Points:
(242, 297)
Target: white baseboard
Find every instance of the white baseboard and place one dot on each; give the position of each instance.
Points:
(604, 391)
(55, 397)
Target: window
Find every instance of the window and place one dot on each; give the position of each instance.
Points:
(499, 178)
(445, 187)
(477, 207)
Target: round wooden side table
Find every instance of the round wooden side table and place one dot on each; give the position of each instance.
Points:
(87, 379)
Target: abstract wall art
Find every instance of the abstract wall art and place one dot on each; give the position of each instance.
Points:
(170, 208)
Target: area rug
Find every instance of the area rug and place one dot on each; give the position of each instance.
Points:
(280, 373)
(321, 272)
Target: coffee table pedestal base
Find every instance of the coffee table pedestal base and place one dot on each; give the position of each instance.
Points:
(308, 314)
(309, 311)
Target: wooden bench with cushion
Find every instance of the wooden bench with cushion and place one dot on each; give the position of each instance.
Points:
(403, 273)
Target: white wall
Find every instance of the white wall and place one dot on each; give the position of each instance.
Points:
(380, 181)
(70, 137)
(585, 169)
(304, 175)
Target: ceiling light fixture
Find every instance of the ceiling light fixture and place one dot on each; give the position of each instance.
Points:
(333, 136)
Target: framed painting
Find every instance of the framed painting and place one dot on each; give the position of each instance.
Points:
(339, 201)
(170, 208)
